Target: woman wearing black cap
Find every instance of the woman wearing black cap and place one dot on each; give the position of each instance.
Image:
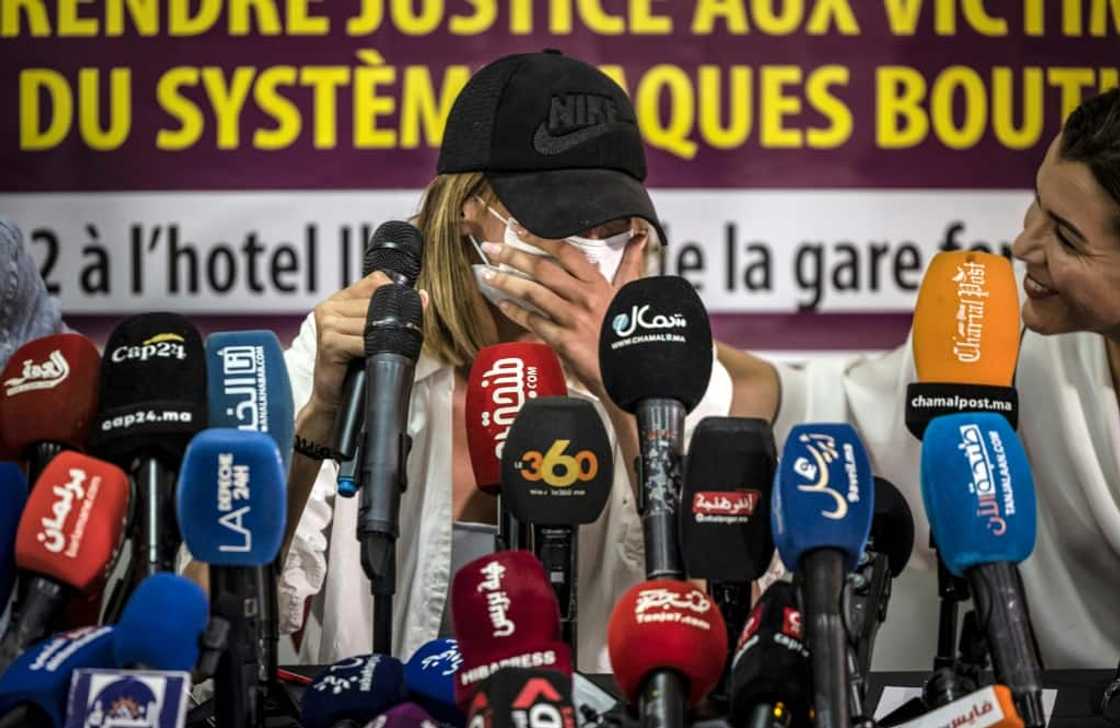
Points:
(537, 216)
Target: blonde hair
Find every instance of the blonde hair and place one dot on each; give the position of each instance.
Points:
(454, 324)
(454, 329)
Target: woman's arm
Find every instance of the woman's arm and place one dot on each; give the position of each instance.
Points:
(314, 423)
(756, 391)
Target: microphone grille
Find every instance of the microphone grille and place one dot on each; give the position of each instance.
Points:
(395, 248)
(394, 324)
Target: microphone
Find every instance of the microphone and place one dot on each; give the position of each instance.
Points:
(393, 337)
(966, 339)
(979, 494)
(352, 691)
(655, 353)
(161, 625)
(231, 504)
(48, 398)
(821, 514)
(557, 471)
(405, 715)
(68, 538)
(34, 689)
(153, 400)
(13, 496)
(505, 615)
(888, 550)
(248, 389)
(429, 679)
(395, 249)
(519, 697)
(725, 509)
(989, 707)
(502, 379)
(667, 644)
(770, 675)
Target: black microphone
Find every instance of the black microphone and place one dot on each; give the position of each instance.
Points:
(725, 510)
(655, 353)
(153, 400)
(395, 250)
(393, 338)
(770, 674)
(557, 471)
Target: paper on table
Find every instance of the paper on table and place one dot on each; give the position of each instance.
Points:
(894, 697)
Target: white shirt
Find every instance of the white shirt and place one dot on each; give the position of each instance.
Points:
(324, 561)
(1070, 425)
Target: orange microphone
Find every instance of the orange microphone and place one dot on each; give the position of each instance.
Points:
(966, 339)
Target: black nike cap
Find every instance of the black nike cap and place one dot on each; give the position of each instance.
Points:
(556, 138)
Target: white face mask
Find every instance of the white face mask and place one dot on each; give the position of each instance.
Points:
(605, 254)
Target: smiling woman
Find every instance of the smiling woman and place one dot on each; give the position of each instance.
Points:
(1069, 412)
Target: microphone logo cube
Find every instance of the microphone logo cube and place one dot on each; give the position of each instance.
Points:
(231, 497)
(508, 383)
(240, 375)
(720, 506)
(497, 601)
(669, 605)
(983, 476)
(43, 375)
(166, 345)
(823, 452)
(627, 324)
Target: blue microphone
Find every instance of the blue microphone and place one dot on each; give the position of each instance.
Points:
(231, 508)
(355, 689)
(979, 495)
(248, 389)
(13, 496)
(429, 679)
(160, 626)
(821, 511)
(33, 690)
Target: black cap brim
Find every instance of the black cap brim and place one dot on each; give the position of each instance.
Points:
(557, 203)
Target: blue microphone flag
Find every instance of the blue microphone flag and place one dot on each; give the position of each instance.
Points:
(13, 496)
(978, 490)
(160, 626)
(118, 698)
(41, 674)
(823, 493)
(358, 688)
(248, 386)
(232, 498)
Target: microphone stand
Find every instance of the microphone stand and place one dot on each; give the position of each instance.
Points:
(557, 548)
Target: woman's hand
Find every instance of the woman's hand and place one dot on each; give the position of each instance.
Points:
(571, 291)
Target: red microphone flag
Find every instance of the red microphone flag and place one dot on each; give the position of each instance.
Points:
(502, 379)
(671, 625)
(73, 524)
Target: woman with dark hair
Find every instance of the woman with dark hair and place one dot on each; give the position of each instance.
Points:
(1068, 378)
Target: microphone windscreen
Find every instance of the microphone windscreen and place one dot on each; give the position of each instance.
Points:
(557, 464)
(73, 524)
(823, 494)
(161, 625)
(502, 379)
(153, 389)
(523, 697)
(771, 662)
(429, 679)
(13, 497)
(405, 715)
(892, 528)
(666, 625)
(232, 498)
(394, 322)
(966, 320)
(656, 342)
(48, 392)
(41, 674)
(725, 500)
(978, 491)
(395, 248)
(505, 615)
(248, 386)
(357, 688)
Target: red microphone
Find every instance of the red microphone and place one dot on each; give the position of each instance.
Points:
(667, 643)
(503, 378)
(68, 539)
(505, 614)
(48, 397)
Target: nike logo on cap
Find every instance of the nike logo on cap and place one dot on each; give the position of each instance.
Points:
(549, 145)
(574, 119)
